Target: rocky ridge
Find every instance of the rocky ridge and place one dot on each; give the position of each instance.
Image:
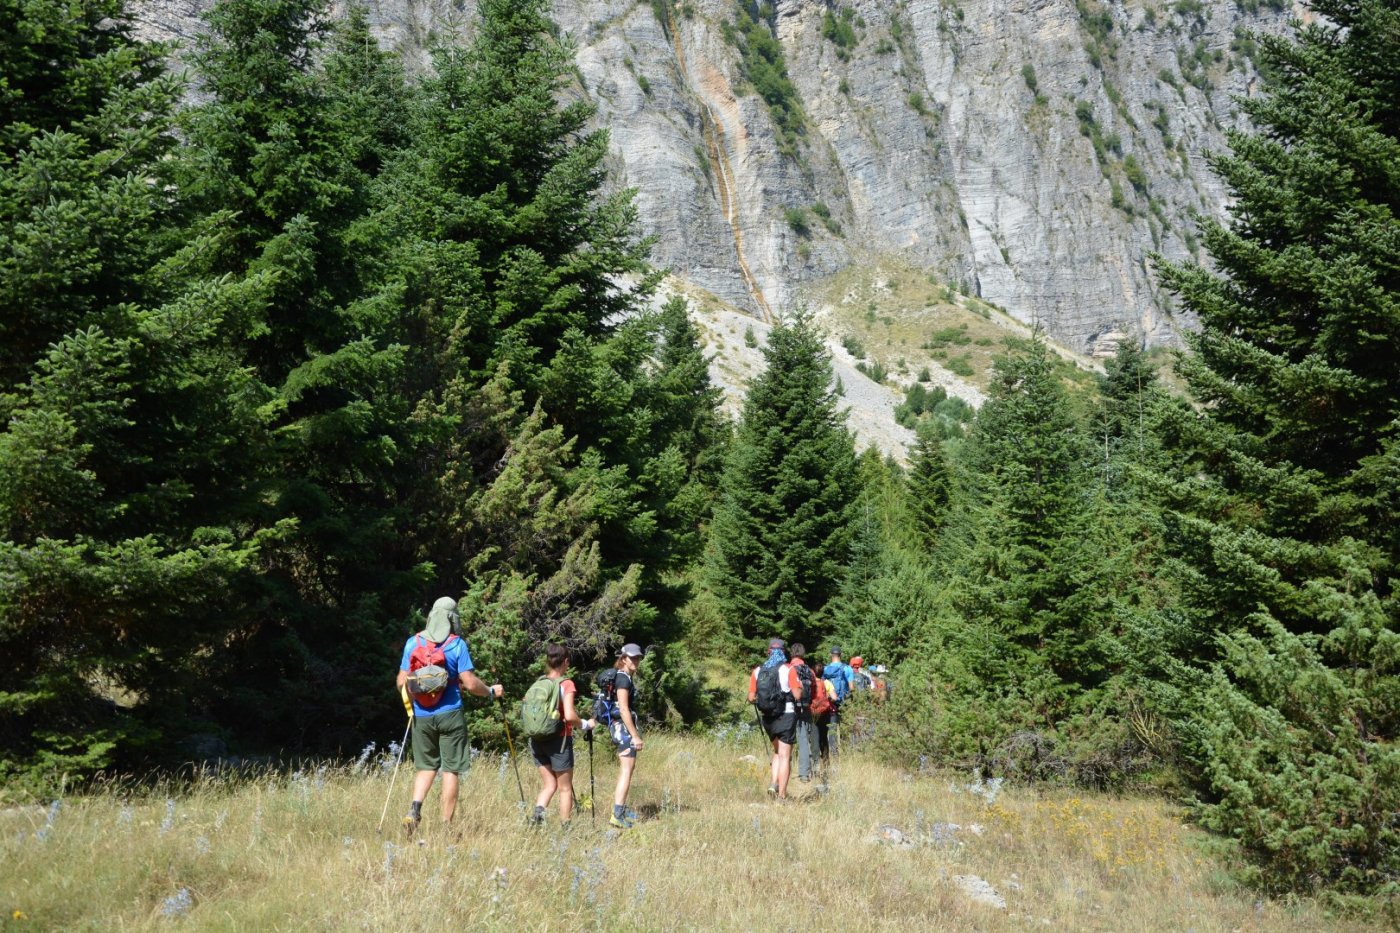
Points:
(1033, 153)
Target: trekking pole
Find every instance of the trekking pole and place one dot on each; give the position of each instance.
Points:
(501, 708)
(408, 704)
(762, 733)
(592, 794)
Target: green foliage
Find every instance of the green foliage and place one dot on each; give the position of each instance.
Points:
(782, 528)
(933, 410)
(838, 29)
(930, 490)
(1285, 676)
(763, 65)
(796, 218)
(128, 459)
(1028, 75)
(873, 370)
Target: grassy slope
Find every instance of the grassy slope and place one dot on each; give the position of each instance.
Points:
(302, 852)
(907, 320)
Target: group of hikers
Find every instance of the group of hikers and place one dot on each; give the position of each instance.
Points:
(797, 707)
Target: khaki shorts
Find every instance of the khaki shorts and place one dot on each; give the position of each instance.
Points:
(440, 742)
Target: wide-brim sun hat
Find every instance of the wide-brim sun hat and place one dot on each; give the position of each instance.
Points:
(442, 620)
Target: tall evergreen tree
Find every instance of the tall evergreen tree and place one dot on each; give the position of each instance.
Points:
(1030, 572)
(1284, 521)
(930, 490)
(782, 530)
(298, 119)
(510, 268)
(131, 441)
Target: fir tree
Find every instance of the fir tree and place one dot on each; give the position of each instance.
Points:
(131, 443)
(1031, 567)
(498, 205)
(782, 530)
(1283, 525)
(930, 489)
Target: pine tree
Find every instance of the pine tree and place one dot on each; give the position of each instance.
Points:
(1031, 567)
(782, 530)
(499, 207)
(1285, 522)
(81, 235)
(930, 489)
(510, 269)
(132, 430)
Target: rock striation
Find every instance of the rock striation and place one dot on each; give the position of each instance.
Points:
(1034, 153)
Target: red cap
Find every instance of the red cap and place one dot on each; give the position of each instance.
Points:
(857, 661)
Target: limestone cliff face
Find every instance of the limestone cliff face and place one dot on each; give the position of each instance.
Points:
(1034, 153)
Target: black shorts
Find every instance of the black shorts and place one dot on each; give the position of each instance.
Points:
(556, 754)
(783, 728)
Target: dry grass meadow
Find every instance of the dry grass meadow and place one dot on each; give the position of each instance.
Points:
(300, 851)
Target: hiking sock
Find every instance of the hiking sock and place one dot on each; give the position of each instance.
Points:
(415, 809)
(539, 814)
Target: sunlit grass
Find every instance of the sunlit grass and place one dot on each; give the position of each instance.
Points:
(711, 852)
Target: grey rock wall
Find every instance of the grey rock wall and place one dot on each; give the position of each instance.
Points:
(925, 139)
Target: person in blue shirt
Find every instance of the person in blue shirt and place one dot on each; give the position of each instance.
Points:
(439, 722)
(840, 674)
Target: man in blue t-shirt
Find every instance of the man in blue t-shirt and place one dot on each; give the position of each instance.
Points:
(439, 724)
(840, 675)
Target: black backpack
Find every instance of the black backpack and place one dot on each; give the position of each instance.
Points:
(605, 706)
(808, 680)
(769, 696)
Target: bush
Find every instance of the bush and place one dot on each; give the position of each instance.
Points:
(797, 220)
(874, 369)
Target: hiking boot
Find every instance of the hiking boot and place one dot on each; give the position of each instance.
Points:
(410, 825)
(621, 822)
(805, 780)
(773, 790)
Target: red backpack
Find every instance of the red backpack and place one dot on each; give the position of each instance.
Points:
(821, 700)
(427, 671)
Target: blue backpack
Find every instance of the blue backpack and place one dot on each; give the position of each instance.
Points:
(836, 673)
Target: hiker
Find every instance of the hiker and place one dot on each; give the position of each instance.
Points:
(775, 690)
(840, 674)
(614, 708)
(861, 679)
(554, 753)
(811, 691)
(435, 668)
(882, 682)
(824, 711)
(837, 673)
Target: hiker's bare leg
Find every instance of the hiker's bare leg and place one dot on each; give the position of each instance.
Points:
(624, 779)
(450, 785)
(548, 785)
(773, 762)
(784, 767)
(422, 783)
(565, 780)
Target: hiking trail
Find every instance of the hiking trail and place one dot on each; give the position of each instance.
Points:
(722, 170)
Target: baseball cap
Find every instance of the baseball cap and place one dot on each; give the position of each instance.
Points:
(777, 643)
(630, 650)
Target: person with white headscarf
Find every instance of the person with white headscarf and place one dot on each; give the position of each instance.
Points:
(435, 668)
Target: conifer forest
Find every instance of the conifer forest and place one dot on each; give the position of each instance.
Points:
(294, 341)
